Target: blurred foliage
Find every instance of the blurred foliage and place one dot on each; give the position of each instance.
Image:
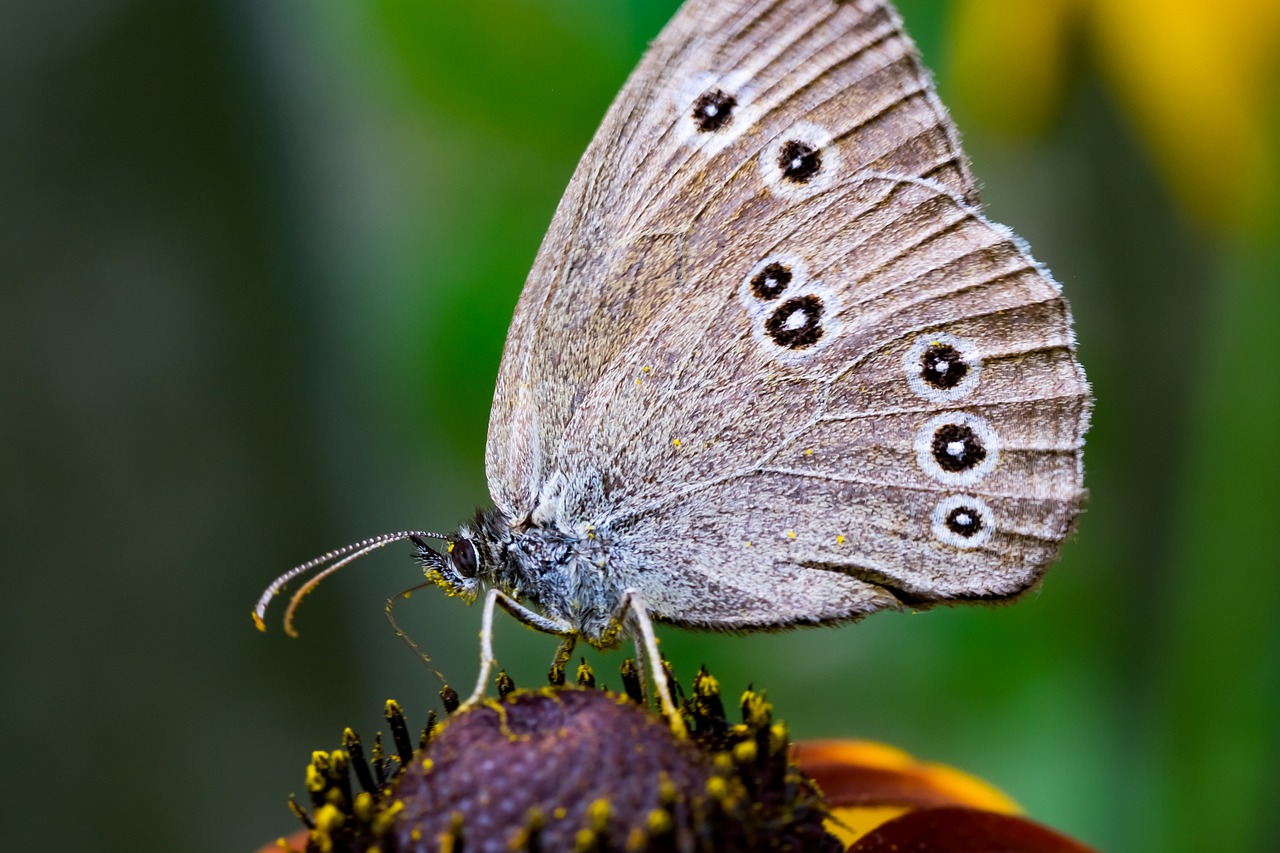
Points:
(258, 261)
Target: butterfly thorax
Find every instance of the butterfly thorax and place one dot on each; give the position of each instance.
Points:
(565, 572)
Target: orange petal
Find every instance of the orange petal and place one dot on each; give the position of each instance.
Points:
(960, 830)
(867, 784)
(859, 773)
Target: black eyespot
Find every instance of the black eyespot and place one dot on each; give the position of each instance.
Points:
(799, 161)
(796, 323)
(942, 366)
(463, 558)
(713, 110)
(771, 281)
(957, 448)
(964, 521)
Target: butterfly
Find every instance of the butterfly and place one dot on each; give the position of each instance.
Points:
(772, 366)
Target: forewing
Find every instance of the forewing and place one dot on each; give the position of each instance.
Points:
(649, 192)
(902, 420)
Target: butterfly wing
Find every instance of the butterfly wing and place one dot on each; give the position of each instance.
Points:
(900, 421)
(771, 350)
(719, 86)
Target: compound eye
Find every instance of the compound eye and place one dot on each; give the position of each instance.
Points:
(464, 558)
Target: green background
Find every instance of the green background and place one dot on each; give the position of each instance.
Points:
(258, 263)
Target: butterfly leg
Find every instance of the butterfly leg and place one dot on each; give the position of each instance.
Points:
(564, 651)
(391, 603)
(486, 647)
(642, 664)
(633, 606)
(524, 615)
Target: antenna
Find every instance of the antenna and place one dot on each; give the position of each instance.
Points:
(343, 556)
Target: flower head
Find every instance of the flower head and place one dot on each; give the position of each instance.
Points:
(582, 768)
(571, 768)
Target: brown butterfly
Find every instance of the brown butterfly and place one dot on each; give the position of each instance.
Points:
(772, 366)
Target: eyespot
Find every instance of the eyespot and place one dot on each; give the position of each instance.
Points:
(957, 448)
(771, 281)
(942, 368)
(791, 316)
(797, 323)
(799, 161)
(802, 161)
(963, 521)
(464, 558)
(713, 110)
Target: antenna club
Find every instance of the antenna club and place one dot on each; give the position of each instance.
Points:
(258, 623)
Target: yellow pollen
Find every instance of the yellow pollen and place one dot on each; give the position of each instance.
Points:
(676, 442)
(808, 451)
(839, 539)
(791, 534)
(659, 821)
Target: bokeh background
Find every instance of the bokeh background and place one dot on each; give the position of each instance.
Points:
(258, 260)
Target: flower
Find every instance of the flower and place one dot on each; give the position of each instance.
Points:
(881, 799)
(1197, 81)
(582, 768)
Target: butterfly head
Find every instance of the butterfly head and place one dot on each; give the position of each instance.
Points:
(458, 569)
